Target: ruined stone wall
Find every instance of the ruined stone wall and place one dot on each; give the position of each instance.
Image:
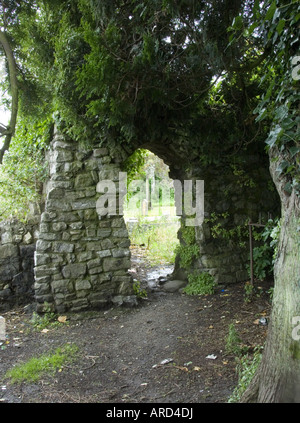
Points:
(17, 247)
(82, 259)
(233, 196)
(78, 258)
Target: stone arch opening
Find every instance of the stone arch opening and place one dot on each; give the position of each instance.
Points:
(151, 219)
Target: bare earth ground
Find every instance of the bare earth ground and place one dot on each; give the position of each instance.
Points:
(120, 349)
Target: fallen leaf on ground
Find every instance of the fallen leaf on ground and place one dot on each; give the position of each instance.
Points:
(181, 368)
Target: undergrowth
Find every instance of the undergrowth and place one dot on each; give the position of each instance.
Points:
(200, 284)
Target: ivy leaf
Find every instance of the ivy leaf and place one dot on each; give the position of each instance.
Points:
(274, 135)
(281, 112)
(288, 188)
(271, 11)
(237, 22)
(294, 150)
(280, 26)
(282, 166)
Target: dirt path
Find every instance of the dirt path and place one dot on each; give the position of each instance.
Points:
(121, 350)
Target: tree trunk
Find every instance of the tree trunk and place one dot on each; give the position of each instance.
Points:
(278, 377)
(13, 72)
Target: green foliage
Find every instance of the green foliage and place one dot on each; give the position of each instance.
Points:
(264, 255)
(138, 291)
(24, 169)
(280, 104)
(187, 250)
(200, 284)
(243, 180)
(36, 367)
(246, 369)
(134, 165)
(220, 229)
(233, 342)
(249, 290)
(47, 320)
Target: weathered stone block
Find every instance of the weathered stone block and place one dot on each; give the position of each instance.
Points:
(118, 253)
(84, 256)
(118, 223)
(44, 227)
(10, 269)
(46, 270)
(50, 236)
(8, 251)
(76, 226)
(84, 204)
(100, 152)
(112, 264)
(62, 286)
(95, 270)
(104, 253)
(66, 217)
(106, 244)
(94, 263)
(103, 233)
(55, 193)
(56, 204)
(63, 155)
(109, 172)
(84, 180)
(59, 226)
(79, 305)
(74, 271)
(43, 246)
(41, 259)
(48, 216)
(42, 289)
(93, 246)
(83, 285)
(100, 278)
(6, 238)
(63, 247)
(120, 233)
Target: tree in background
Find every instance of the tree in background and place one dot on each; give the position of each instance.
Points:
(26, 138)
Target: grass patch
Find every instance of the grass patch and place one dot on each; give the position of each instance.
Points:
(159, 238)
(32, 370)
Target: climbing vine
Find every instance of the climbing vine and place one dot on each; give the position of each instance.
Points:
(188, 250)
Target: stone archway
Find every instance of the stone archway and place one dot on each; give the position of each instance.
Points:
(82, 258)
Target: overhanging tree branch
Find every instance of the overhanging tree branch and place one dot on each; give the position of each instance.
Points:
(12, 70)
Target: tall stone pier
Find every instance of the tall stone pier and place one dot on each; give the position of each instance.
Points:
(82, 258)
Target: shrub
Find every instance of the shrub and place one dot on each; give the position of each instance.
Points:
(200, 284)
